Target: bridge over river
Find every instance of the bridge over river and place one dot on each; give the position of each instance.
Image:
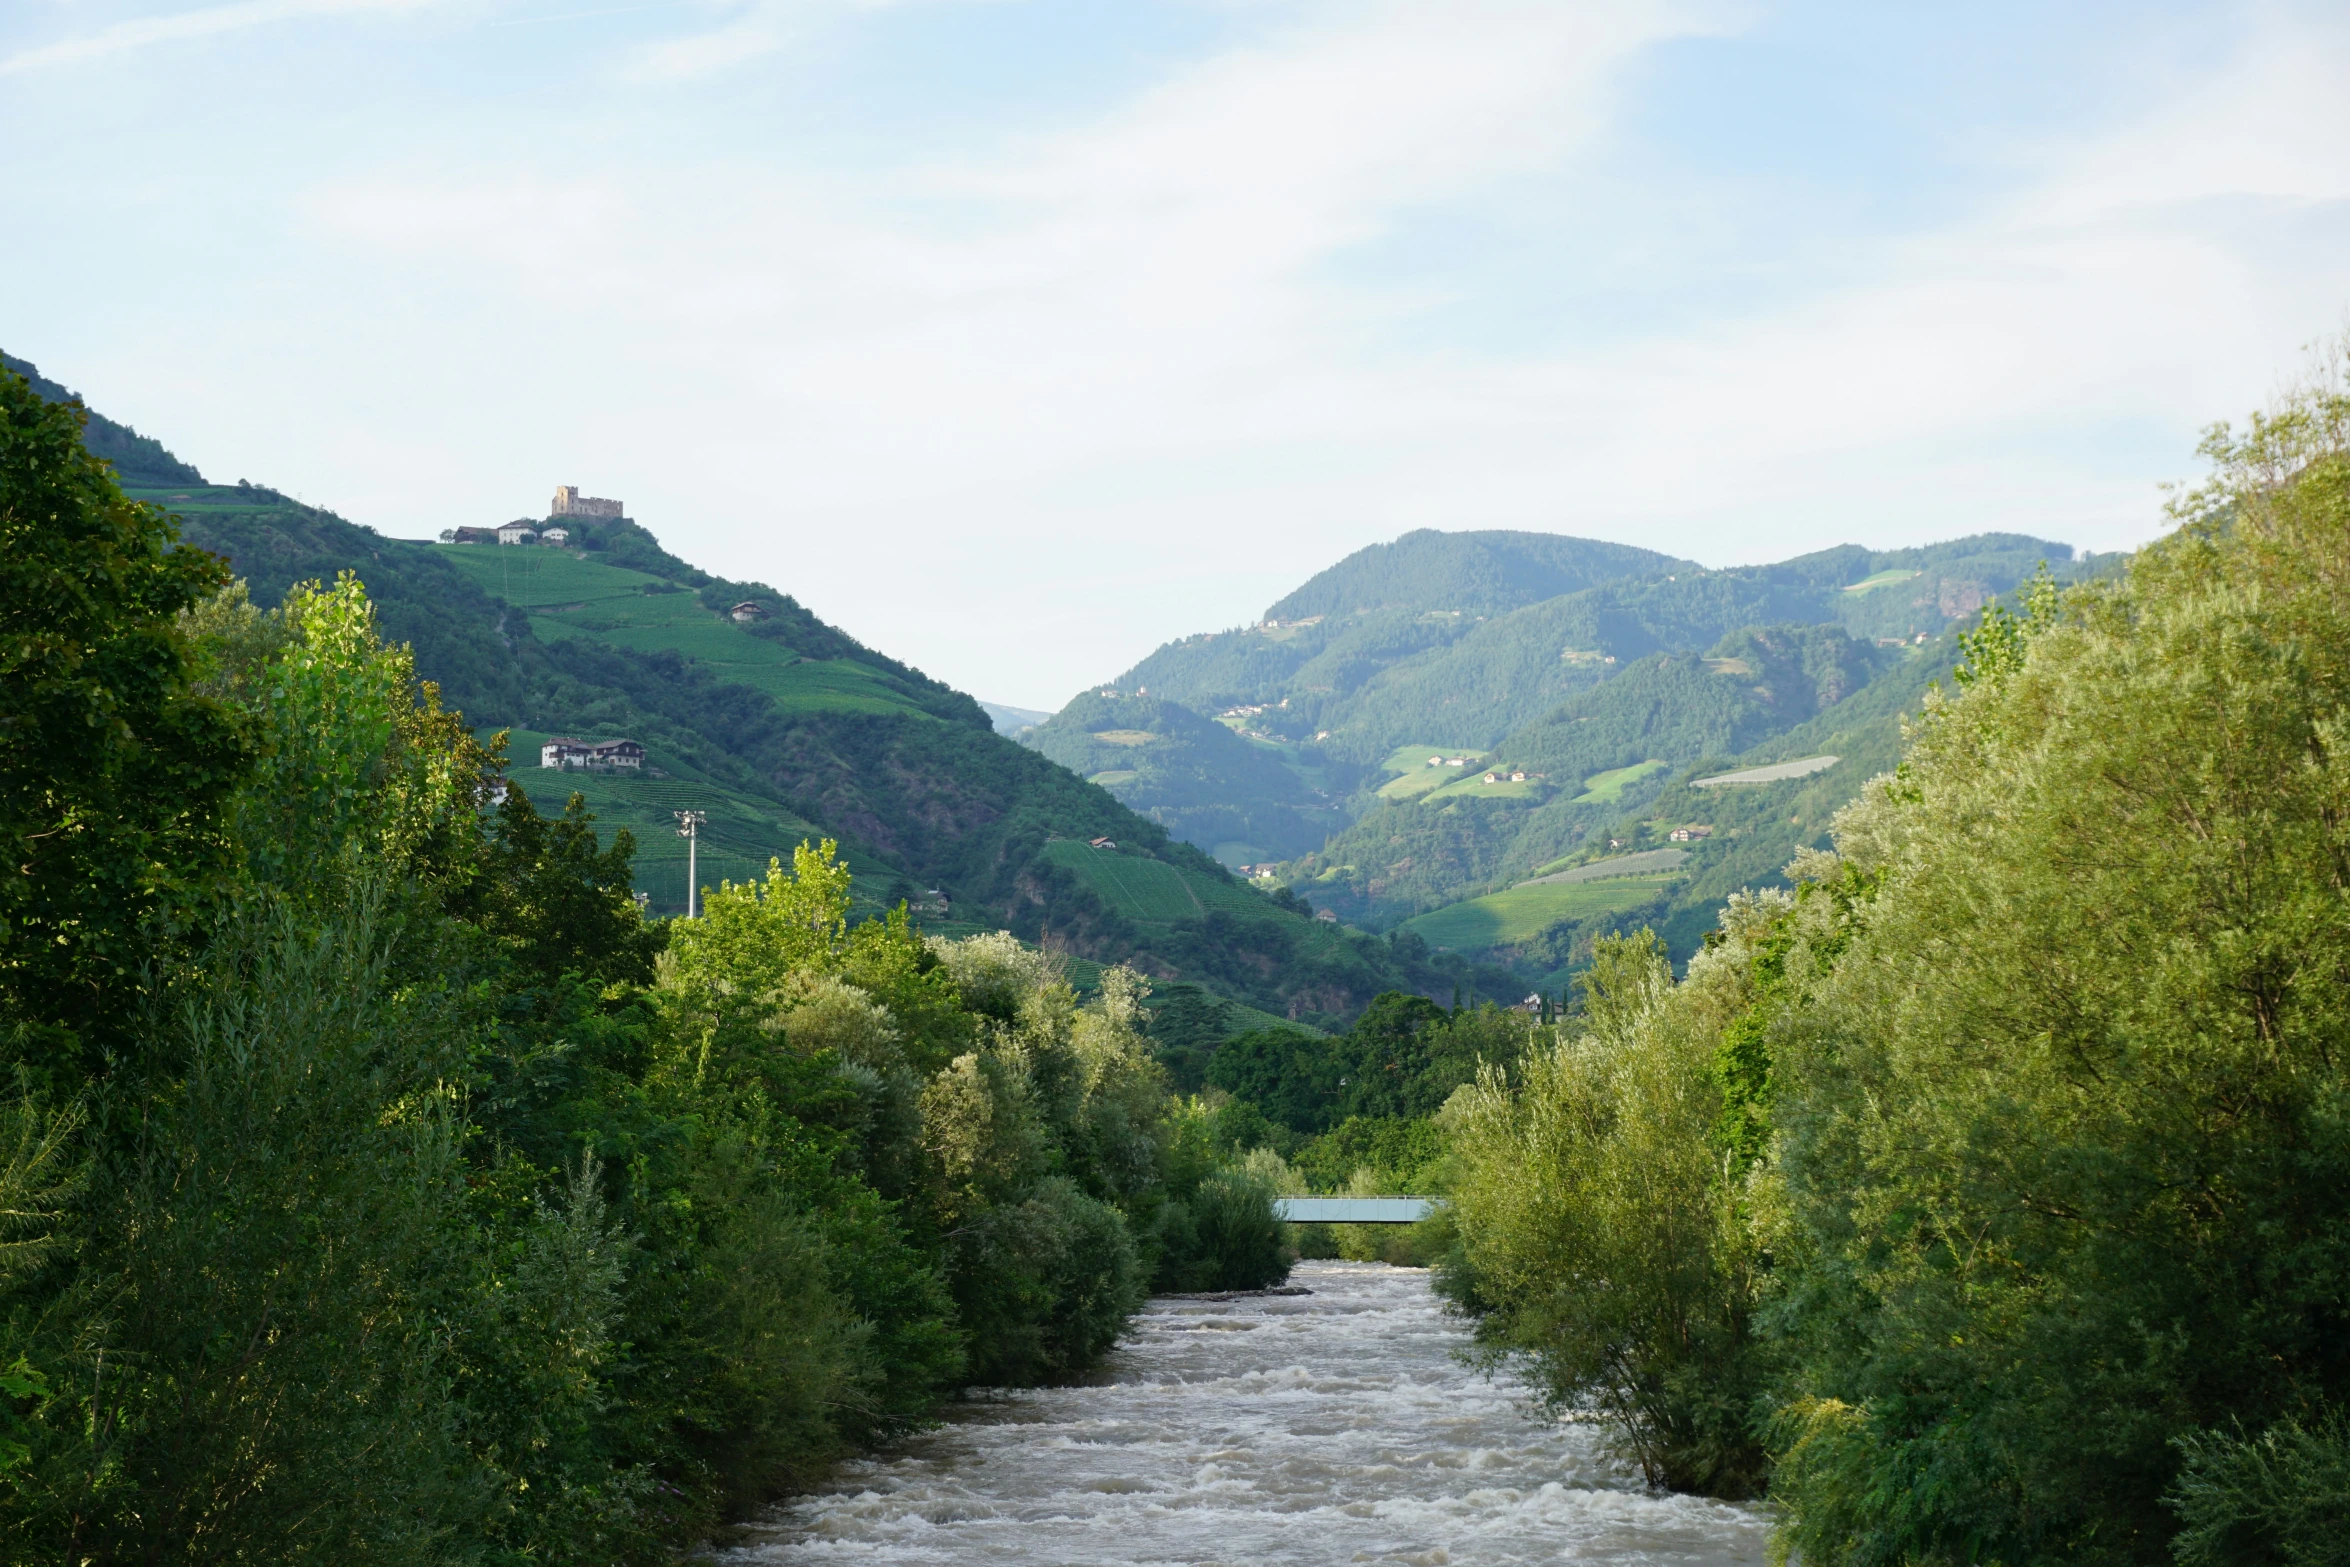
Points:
(1330, 1425)
(1353, 1210)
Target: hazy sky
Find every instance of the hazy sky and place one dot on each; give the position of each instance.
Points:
(1017, 338)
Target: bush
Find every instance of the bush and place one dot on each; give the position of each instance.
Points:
(1224, 1236)
(1044, 1285)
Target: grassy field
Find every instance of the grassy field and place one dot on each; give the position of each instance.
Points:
(1524, 912)
(1414, 758)
(572, 597)
(1475, 786)
(1608, 787)
(1883, 579)
(1415, 778)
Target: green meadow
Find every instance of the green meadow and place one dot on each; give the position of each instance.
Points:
(1608, 787)
(1503, 919)
(1882, 579)
(1415, 778)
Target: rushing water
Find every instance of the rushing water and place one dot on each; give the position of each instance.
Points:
(1331, 1427)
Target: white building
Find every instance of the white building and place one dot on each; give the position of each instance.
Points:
(557, 536)
(517, 533)
(592, 755)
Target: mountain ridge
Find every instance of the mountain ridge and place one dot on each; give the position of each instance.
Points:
(794, 722)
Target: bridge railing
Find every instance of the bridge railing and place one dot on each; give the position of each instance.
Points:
(1353, 1210)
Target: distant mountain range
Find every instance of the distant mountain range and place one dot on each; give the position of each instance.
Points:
(784, 728)
(1451, 718)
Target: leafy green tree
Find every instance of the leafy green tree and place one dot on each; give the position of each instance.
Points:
(2061, 1137)
(1599, 1234)
(558, 902)
(115, 776)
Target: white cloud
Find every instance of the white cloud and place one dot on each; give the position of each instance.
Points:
(1021, 410)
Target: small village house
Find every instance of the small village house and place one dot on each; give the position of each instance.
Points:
(592, 755)
(556, 536)
(518, 533)
(747, 611)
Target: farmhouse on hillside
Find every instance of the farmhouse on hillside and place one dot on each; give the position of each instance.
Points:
(1691, 833)
(1101, 843)
(591, 755)
(517, 533)
(747, 611)
(556, 536)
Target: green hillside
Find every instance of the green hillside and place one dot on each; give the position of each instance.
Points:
(1354, 683)
(1522, 913)
(1603, 752)
(1179, 923)
(1241, 799)
(1473, 573)
(780, 727)
(742, 833)
(576, 597)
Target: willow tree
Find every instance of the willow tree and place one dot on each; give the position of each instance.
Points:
(2066, 1133)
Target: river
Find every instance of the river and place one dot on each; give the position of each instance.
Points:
(1330, 1427)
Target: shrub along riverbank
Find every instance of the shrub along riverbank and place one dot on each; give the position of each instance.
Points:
(376, 1184)
(1983, 1199)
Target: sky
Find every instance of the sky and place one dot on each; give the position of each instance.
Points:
(1017, 337)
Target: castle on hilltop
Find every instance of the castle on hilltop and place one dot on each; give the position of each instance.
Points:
(570, 503)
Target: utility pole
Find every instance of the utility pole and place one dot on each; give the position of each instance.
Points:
(688, 827)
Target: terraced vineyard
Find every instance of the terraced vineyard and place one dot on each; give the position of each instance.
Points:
(1151, 892)
(742, 834)
(570, 597)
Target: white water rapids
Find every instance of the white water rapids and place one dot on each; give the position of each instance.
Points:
(1331, 1427)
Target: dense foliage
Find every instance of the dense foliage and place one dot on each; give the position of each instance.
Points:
(377, 1183)
(1984, 1197)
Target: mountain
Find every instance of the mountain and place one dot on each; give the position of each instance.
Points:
(1474, 573)
(781, 728)
(1482, 713)
(1206, 782)
(1011, 720)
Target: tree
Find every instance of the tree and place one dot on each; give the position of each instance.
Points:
(115, 775)
(2062, 1135)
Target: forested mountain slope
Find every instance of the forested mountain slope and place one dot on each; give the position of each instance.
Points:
(1201, 780)
(1477, 573)
(1458, 641)
(782, 728)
